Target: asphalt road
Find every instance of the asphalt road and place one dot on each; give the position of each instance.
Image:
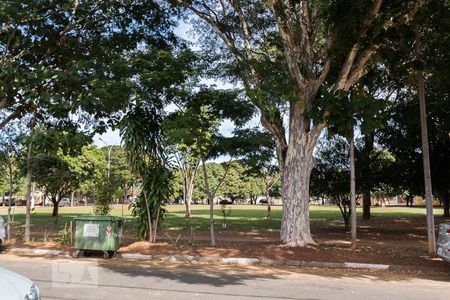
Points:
(114, 279)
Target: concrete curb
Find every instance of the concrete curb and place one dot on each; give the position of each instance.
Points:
(240, 261)
(30, 251)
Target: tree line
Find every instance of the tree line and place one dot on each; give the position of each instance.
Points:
(299, 67)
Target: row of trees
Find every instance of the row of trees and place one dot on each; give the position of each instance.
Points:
(300, 66)
(66, 165)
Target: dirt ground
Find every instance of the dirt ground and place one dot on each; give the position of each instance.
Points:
(399, 241)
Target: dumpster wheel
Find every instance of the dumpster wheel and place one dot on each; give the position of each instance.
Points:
(77, 253)
(106, 254)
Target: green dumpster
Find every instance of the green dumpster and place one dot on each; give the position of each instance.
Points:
(97, 233)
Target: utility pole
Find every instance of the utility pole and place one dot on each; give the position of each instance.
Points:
(109, 147)
(353, 190)
(426, 151)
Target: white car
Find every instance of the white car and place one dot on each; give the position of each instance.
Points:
(64, 202)
(16, 287)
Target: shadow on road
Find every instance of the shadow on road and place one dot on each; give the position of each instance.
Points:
(190, 274)
(232, 275)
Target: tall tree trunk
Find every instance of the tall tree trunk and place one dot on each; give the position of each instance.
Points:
(352, 191)
(189, 173)
(188, 203)
(296, 172)
(295, 229)
(149, 218)
(155, 224)
(368, 148)
(72, 197)
(26, 236)
(445, 202)
(189, 192)
(8, 228)
(27, 233)
(426, 152)
(184, 195)
(269, 208)
(211, 205)
(366, 204)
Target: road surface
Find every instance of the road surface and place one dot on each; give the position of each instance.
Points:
(115, 279)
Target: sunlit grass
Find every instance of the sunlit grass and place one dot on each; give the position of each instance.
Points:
(242, 217)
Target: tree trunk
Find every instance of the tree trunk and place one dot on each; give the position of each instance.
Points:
(211, 205)
(368, 148)
(155, 225)
(189, 192)
(189, 173)
(269, 208)
(55, 208)
(409, 200)
(72, 197)
(295, 228)
(346, 222)
(149, 218)
(366, 204)
(27, 233)
(8, 228)
(352, 191)
(26, 236)
(426, 153)
(445, 202)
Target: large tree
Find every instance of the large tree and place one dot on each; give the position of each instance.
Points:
(402, 135)
(55, 163)
(66, 62)
(327, 49)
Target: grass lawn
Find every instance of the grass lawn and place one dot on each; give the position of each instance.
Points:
(393, 235)
(242, 217)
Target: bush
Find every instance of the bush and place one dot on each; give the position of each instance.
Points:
(103, 196)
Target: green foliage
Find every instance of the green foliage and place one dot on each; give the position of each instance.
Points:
(238, 186)
(64, 235)
(142, 136)
(104, 191)
(214, 172)
(55, 166)
(402, 136)
(63, 57)
(121, 178)
(155, 194)
(331, 176)
(10, 148)
(346, 110)
(139, 210)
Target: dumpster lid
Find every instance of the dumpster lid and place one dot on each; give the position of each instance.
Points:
(97, 218)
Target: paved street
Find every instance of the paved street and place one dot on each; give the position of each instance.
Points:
(114, 279)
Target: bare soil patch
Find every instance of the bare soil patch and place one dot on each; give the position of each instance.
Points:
(381, 240)
(398, 241)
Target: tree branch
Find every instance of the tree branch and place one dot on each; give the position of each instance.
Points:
(291, 50)
(213, 194)
(9, 118)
